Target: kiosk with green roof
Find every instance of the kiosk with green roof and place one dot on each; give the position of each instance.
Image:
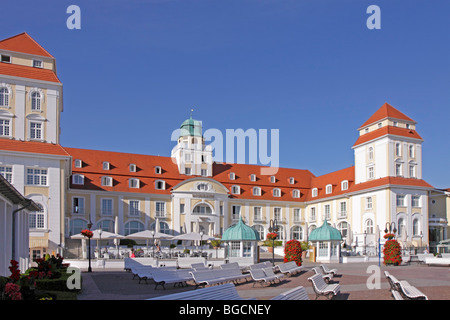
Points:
(327, 241)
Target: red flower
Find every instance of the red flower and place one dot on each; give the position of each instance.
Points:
(87, 233)
(271, 236)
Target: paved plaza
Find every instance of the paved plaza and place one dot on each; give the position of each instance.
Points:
(434, 281)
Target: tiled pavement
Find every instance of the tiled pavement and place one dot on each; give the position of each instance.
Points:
(434, 281)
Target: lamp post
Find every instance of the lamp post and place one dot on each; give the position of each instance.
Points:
(89, 225)
(365, 242)
(153, 235)
(201, 247)
(100, 243)
(273, 227)
(391, 227)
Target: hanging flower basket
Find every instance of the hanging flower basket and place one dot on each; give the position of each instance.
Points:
(271, 236)
(389, 236)
(87, 233)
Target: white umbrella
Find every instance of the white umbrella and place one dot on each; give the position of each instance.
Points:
(116, 230)
(104, 235)
(147, 235)
(193, 236)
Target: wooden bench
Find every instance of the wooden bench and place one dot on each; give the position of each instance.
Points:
(326, 270)
(326, 276)
(298, 293)
(259, 276)
(289, 268)
(220, 292)
(324, 289)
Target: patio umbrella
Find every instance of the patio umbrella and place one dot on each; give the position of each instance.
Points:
(147, 235)
(105, 235)
(193, 236)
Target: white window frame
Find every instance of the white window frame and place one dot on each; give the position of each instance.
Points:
(39, 177)
(273, 179)
(5, 127)
(235, 189)
(253, 177)
(371, 172)
(278, 213)
(6, 172)
(204, 172)
(160, 212)
(398, 170)
(38, 63)
(415, 201)
(257, 213)
(36, 130)
(106, 165)
(158, 170)
(5, 92)
(398, 149)
(232, 176)
(291, 180)
(81, 205)
(134, 183)
(369, 203)
(78, 163)
(160, 185)
(328, 189)
(107, 210)
(276, 192)
(36, 100)
(400, 200)
(295, 193)
(39, 219)
(344, 185)
(106, 181)
(134, 211)
(256, 191)
(314, 192)
(132, 167)
(78, 179)
(235, 215)
(327, 211)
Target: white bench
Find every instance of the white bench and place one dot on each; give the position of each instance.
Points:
(186, 262)
(289, 268)
(323, 289)
(396, 295)
(220, 292)
(298, 293)
(326, 276)
(261, 265)
(177, 277)
(269, 273)
(402, 288)
(215, 276)
(326, 270)
(259, 276)
(146, 272)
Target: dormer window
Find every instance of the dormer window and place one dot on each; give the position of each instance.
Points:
(329, 188)
(133, 183)
(395, 124)
(105, 165)
(160, 185)
(314, 192)
(77, 179)
(380, 125)
(366, 130)
(344, 185)
(78, 163)
(253, 177)
(235, 190)
(295, 193)
(276, 192)
(107, 181)
(232, 176)
(273, 179)
(158, 170)
(38, 63)
(256, 191)
(5, 58)
(132, 167)
(291, 180)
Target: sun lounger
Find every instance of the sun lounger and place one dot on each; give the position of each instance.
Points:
(289, 268)
(220, 292)
(324, 289)
(298, 293)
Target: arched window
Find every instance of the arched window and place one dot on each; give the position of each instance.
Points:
(371, 153)
(76, 225)
(398, 151)
(133, 226)
(163, 227)
(106, 225)
(4, 97)
(416, 227)
(297, 233)
(36, 101)
(276, 192)
(368, 228)
(260, 229)
(401, 226)
(202, 209)
(343, 228)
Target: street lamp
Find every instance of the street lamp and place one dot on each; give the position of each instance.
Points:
(153, 234)
(273, 227)
(201, 246)
(391, 227)
(89, 225)
(100, 243)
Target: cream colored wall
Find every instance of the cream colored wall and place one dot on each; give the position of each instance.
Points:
(26, 60)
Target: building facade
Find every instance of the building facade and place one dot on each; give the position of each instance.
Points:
(187, 190)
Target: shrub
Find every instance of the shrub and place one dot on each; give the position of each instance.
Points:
(293, 252)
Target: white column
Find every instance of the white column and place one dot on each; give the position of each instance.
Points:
(19, 121)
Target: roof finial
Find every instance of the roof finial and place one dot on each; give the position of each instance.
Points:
(192, 110)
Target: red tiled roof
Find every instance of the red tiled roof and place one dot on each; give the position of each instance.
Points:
(392, 181)
(92, 170)
(28, 72)
(396, 131)
(25, 44)
(386, 111)
(32, 147)
(334, 178)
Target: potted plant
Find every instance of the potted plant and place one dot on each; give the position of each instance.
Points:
(305, 248)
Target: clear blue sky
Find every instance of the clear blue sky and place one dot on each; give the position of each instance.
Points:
(311, 69)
